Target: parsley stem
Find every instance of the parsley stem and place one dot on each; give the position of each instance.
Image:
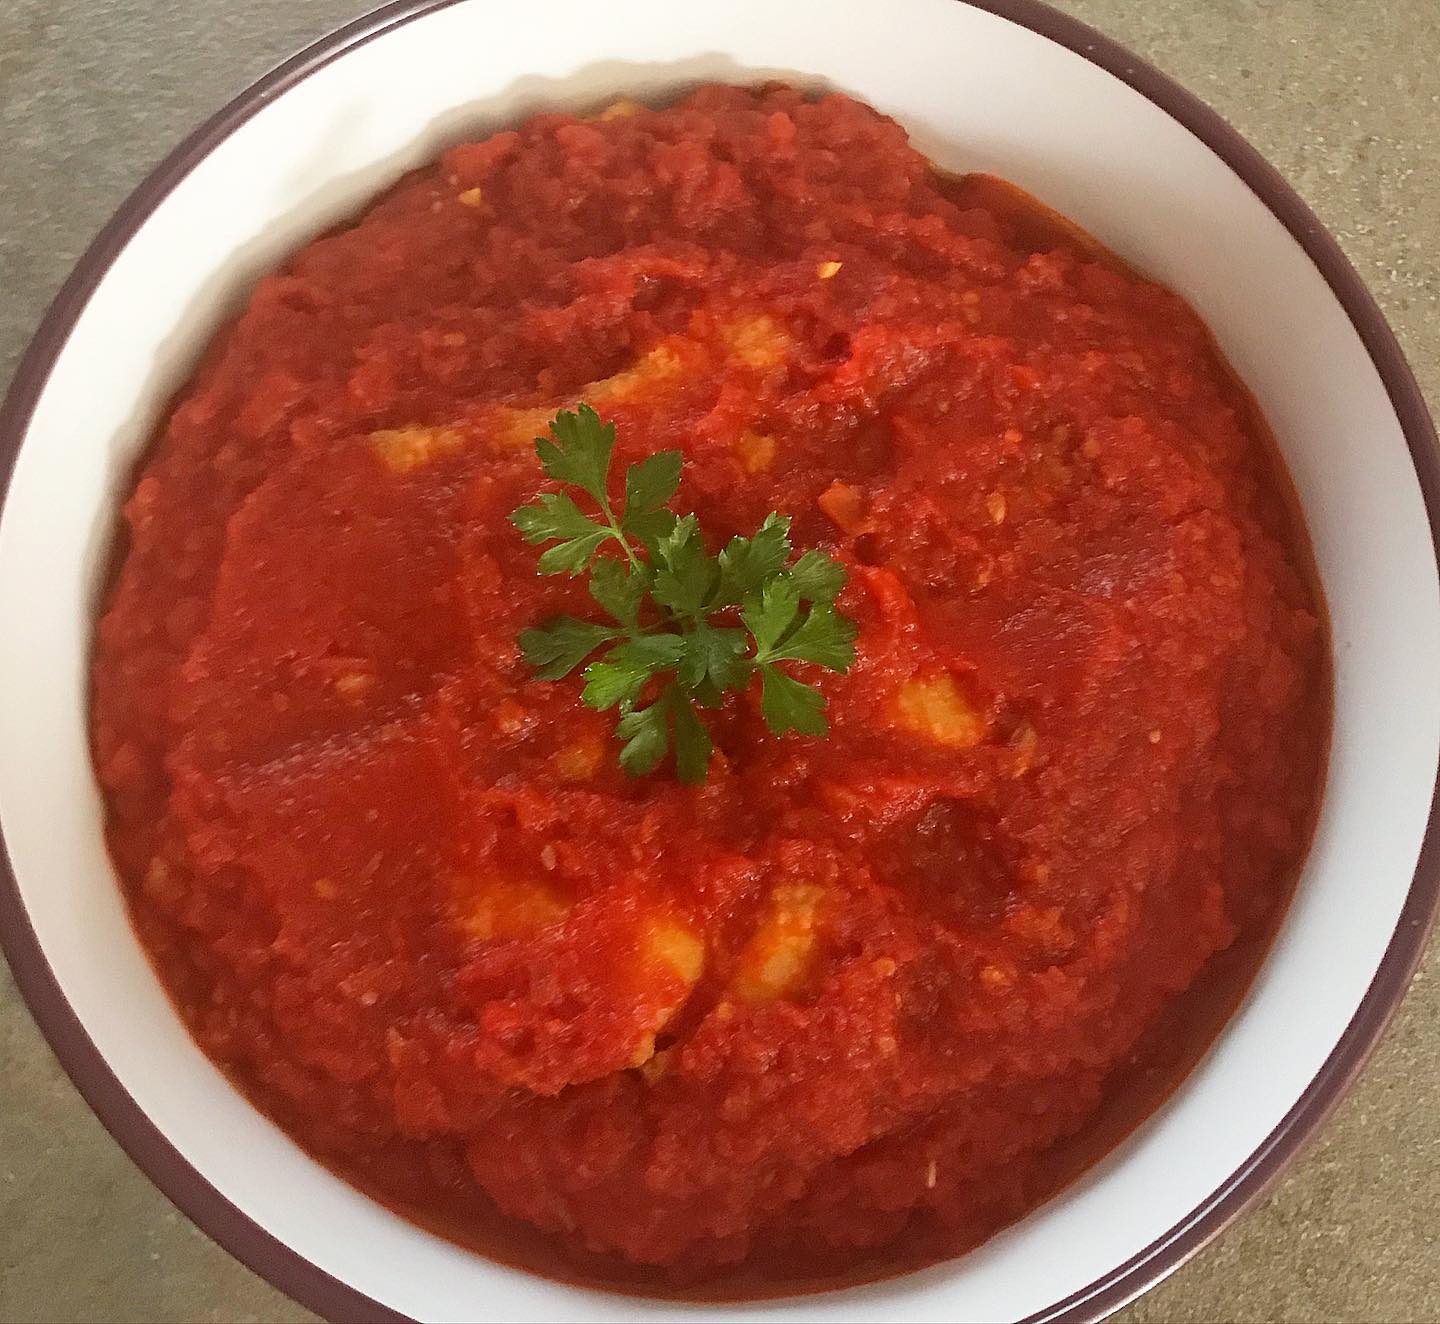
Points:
(619, 533)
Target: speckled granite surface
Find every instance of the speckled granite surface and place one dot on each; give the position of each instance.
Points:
(1342, 95)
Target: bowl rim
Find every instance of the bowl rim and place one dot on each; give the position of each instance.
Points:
(321, 1292)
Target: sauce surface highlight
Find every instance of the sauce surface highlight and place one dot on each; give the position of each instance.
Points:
(846, 1002)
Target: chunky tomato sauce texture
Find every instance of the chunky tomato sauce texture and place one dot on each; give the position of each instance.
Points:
(849, 994)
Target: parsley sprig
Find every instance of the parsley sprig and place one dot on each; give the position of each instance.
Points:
(684, 626)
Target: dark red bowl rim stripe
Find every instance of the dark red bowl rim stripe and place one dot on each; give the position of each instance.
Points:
(305, 1281)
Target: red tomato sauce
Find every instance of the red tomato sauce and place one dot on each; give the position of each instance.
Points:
(853, 1003)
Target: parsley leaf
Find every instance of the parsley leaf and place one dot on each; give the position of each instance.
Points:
(648, 486)
(608, 684)
(824, 637)
(688, 575)
(746, 563)
(555, 516)
(577, 451)
(651, 483)
(770, 612)
(556, 648)
(572, 555)
(619, 590)
(817, 577)
(650, 528)
(619, 677)
(711, 621)
(791, 705)
(716, 654)
(655, 651)
(692, 740)
(645, 736)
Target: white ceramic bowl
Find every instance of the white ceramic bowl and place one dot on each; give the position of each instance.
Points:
(1004, 85)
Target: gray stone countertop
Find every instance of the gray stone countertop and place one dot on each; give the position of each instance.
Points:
(1342, 95)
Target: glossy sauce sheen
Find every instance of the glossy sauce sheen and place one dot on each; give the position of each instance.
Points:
(854, 1003)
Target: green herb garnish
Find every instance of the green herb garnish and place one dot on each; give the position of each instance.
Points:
(693, 623)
